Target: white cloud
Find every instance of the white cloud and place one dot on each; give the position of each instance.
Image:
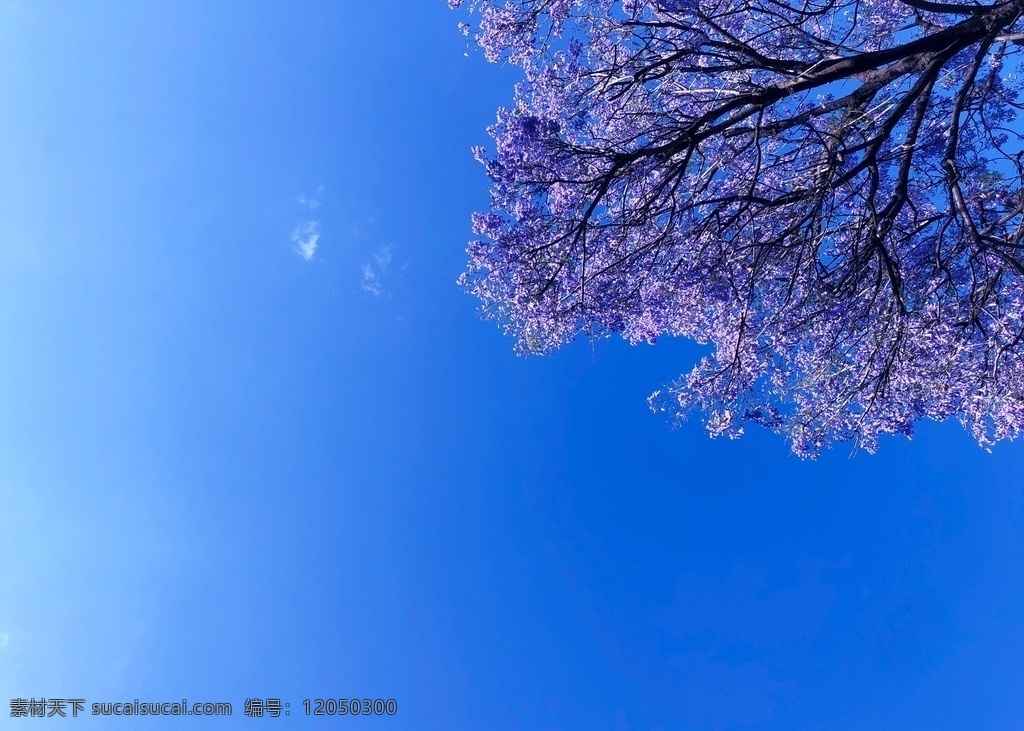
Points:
(306, 237)
(311, 203)
(5, 640)
(371, 281)
(376, 272)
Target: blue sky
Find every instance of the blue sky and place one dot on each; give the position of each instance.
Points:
(234, 465)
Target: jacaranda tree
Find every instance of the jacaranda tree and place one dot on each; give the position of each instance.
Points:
(827, 192)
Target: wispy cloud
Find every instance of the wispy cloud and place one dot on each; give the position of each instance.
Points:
(376, 273)
(311, 203)
(5, 640)
(306, 237)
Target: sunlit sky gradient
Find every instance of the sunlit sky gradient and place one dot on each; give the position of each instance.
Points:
(255, 442)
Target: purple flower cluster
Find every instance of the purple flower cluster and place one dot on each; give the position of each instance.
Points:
(826, 192)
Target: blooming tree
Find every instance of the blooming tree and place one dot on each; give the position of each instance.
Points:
(826, 192)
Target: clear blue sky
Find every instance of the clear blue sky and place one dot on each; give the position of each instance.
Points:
(234, 465)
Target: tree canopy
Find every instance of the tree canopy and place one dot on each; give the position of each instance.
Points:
(825, 192)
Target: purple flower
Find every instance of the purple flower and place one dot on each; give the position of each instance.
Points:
(834, 206)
